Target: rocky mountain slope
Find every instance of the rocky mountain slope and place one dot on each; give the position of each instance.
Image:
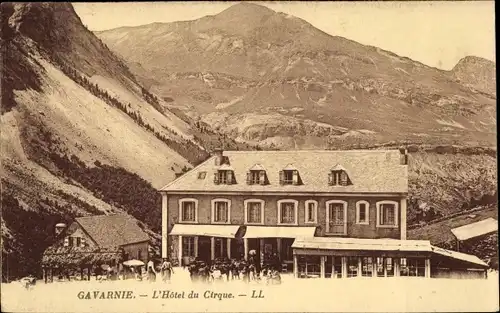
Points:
(249, 59)
(80, 135)
(477, 73)
(273, 80)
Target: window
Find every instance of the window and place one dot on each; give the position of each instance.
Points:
(221, 211)
(188, 246)
(289, 176)
(78, 241)
(352, 266)
(384, 267)
(387, 214)
(338, 177)
(362, 212)
(188, 210)
(336, 267)
(336, 217)
(311, 211)
(223, 177)
(254, 211)
(202, 175)
(287, 211)
(367, 266)
(71, 241)
(414, 267)
(256, 175)
(139, 254)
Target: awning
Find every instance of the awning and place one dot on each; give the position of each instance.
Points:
(226, 231)
(329, 243)
(279, 232)
(468, 258)
(477, 229)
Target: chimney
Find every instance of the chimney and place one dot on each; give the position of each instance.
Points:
(218, 156)
(59, 228)
(404, 156)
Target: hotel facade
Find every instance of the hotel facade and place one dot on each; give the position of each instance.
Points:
(321, 213)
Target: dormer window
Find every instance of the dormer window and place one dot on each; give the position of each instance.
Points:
(338, 177)
(256, 175)
(289, 176)
(224, 175)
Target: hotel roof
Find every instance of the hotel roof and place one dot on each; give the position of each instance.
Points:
(370, 171)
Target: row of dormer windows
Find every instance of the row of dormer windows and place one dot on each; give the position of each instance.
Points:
(336, 213)
(286, 177)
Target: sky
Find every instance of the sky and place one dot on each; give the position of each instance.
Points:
(438, 34)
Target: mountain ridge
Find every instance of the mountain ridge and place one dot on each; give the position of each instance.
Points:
(291, 64)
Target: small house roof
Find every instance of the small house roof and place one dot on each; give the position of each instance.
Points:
(226, 167)
(338, 167)
(330, 243)
(476, 229)
(257, 167)
(110, 231)
(467, 258)
(290, 167)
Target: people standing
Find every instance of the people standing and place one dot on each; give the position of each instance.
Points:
(167, 269)
(151, 271)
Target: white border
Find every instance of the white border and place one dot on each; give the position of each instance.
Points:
(306, 212)
(327, 204)
(181, 201)
(228, 210)
(262, 203)
(296, 208)
(367, 213)
(396, 213)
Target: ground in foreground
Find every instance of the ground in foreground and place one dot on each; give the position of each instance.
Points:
(304, 295)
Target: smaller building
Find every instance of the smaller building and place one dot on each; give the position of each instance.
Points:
(355, 257)
(92, 241)
(475, 230)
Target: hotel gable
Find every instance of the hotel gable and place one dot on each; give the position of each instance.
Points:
(321, 213)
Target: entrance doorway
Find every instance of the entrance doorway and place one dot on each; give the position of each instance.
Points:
(204, 249)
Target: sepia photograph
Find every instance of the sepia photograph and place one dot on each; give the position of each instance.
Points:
(249, 156)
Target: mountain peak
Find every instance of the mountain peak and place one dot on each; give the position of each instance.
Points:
(472, 59)
(247, 8)
(477, 72)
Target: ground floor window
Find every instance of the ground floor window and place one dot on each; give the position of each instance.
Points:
(412, 267)
(309, 266)
(385, 267)
(188, 246)
(367, 266)
(352, 266)
(333, 267)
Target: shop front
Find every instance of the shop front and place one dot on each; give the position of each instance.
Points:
(273, 244)
(322, 257)
(206, 242)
